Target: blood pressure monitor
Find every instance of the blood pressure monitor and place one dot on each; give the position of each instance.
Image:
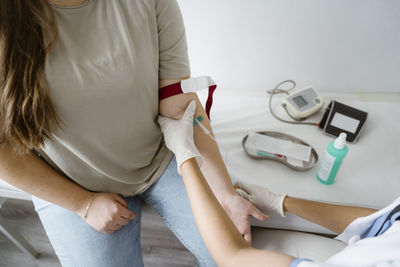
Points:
(303, 103)
(340, 118)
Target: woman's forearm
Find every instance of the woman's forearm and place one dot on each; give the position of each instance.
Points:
(213, 167)
(214, 224)
(334, 217)
(223, 240)
(32, 175)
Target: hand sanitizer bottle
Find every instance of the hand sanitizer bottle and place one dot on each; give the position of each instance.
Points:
(334, 155)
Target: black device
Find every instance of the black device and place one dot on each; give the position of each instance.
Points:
(340, 118)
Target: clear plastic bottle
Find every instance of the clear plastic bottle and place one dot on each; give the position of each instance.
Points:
(334, 156)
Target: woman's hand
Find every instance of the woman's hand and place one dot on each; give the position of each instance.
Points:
(107, 213)
(240, 210)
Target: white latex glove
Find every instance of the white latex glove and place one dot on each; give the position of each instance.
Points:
(261, 197)
(178, 135)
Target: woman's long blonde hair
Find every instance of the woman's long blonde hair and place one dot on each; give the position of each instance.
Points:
(28, 31)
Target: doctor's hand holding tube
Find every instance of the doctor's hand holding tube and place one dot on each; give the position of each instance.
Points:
(178, 135)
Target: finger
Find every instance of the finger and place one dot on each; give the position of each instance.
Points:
(120, 200)
(127, 213)
(162, 121)
(165, 123)
(109, 230)
(247, 237)
(122, 221)
(243, 186)
(256, 213)
(190, 110)
(113, 228)
(242, 193)
(237, 184)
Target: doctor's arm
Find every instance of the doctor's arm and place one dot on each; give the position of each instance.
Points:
(334, 217)
(213, 166)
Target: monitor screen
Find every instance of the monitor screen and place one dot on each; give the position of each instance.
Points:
(345, 122)
(300, 101)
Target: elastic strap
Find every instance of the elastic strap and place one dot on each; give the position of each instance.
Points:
(170, 90)
(191, 85)
(209, 102)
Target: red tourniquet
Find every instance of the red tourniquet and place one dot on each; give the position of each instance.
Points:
(176, 89)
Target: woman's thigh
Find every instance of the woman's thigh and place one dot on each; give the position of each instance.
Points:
(76, 243)
(168, 197)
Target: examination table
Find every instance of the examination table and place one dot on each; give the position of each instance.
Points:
(369, 175)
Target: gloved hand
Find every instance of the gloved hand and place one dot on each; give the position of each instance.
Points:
(178, 135)
(261, 197)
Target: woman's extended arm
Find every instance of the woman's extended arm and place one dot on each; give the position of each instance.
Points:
(222, 239)
(34, 176)
(213, 166)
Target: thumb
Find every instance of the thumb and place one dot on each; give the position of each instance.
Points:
(190, 110)
(163, 122)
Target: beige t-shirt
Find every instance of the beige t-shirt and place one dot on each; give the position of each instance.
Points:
(103, 76)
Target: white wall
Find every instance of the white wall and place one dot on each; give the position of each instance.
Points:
(336, 45)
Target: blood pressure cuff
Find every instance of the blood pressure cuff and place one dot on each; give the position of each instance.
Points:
(340, 118)
(189, 86)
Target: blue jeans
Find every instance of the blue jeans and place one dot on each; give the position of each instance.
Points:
(78, 244)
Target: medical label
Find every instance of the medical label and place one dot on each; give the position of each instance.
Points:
(326, 166)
